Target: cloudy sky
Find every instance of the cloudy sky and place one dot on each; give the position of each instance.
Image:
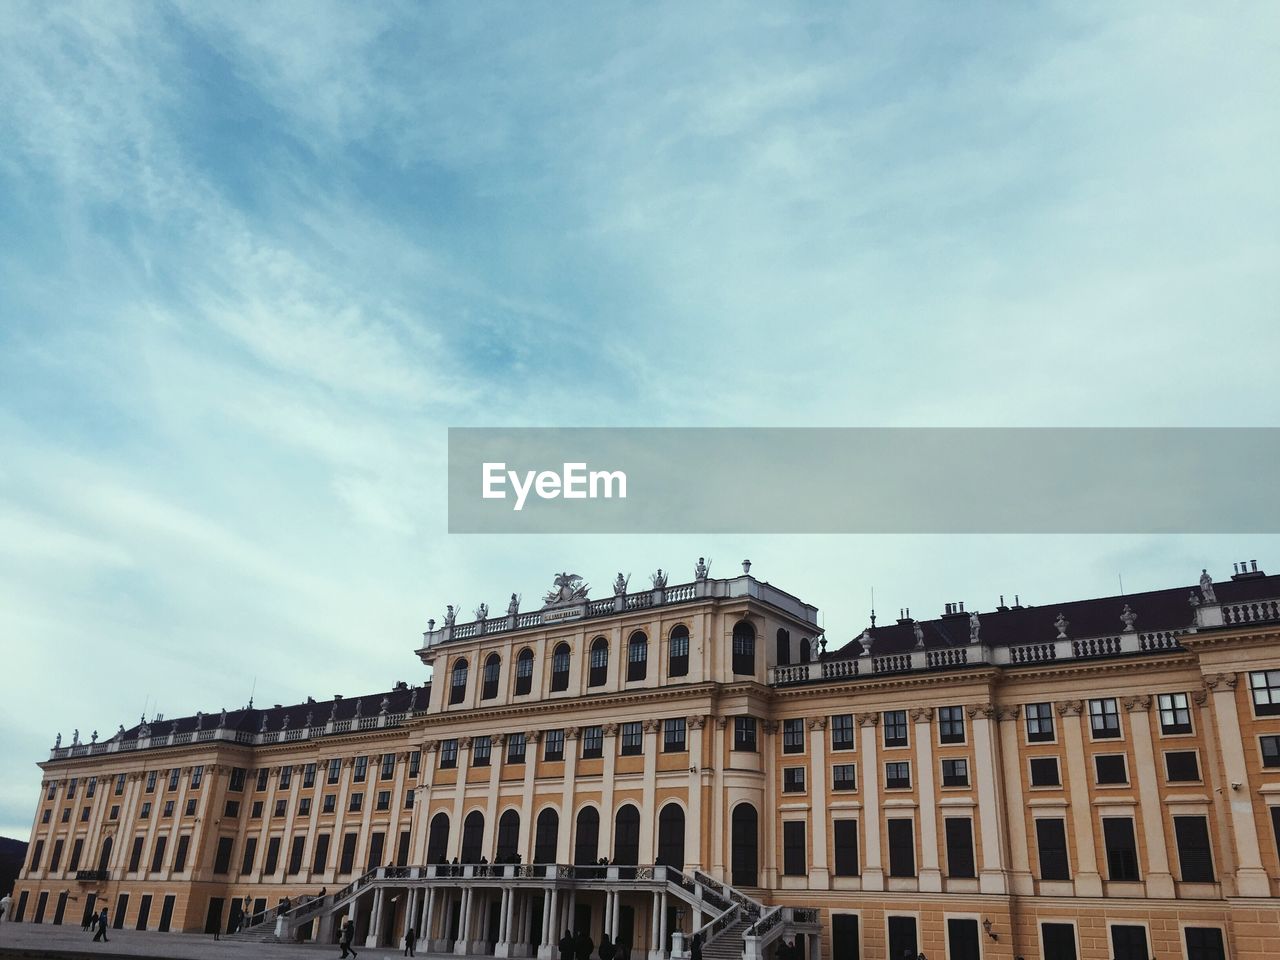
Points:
(256, 258)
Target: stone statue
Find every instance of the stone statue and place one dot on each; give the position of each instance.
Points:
(513, 607)
(413, 700)
(568, 588)
(620, 584)
(386, 703)
(450, 615)
(659, 580)
(359, 709)
(482, 612)
(866, 639)
(199, 720)
(1206, 587)
(120, 732)
(1062, 623)
(93, 737)
(1193, 599)
(919, 632)
(333, 714)
(701, 570)
(284, 724)
(75, 737)
(222, 719)
(310, 716)
(57, 742)
(1128, 618)
(262, 728)
(173, 728)
(974, 627)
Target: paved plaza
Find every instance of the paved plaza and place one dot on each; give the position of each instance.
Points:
(69, 941)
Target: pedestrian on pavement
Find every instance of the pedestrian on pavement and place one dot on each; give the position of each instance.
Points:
(607, 950)
(695, 948)
(566, 945)
(348, 935)
(102, 927)
(583, 945)
(410, 938)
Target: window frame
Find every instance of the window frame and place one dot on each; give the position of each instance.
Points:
(1057, 773)
(956, 784)
(1268, 676)
(844, 777)
(951, 718)
(1175, 728)
(902, 743)
(900, 784)
(1039, 719)
(1104, 732)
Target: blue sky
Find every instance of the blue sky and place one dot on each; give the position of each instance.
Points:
(257, 258)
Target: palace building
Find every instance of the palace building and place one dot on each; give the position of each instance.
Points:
(1085, 779)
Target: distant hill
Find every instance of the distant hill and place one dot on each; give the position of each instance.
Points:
(13, 854)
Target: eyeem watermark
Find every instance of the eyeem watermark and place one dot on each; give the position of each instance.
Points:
(573, 482)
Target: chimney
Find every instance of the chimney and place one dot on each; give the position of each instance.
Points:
(1247, 570)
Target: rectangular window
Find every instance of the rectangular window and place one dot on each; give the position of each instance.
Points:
(794, 854)
(77, 849)
(135, 855)
(415, 764)
(180, 854)
(962, 939)
(71, 787)
(151, 781)
(1059, 941)
(1270, 751)
(256, 810)
(402, 849)
(524, 673)
(1104, 719)
(592, 743)
(304, 807)
(120, 781)
(330, 804)
(793, 779)
(261, 783)
(1264, 687)
(168, 808)
(678, 658)
(553, 745)
(959, 832)
(842, 737)
(361, 770)
(1044, 772)
(296, 848)
(793, 736)
(844, 777)
(1129, 942)
(222, 860)
(951, 724)
(157, 855)
(286, 777)
(1195, 858)
(1051, 842)
(191, 808)
(383, 801)
(1205, 943)
(1111, 769)
(902, 847)
(481, 750)
(1182, 766)
(173, 778)
(115, 811)
(197, 777)
(273, 857)
(282, 807)
(598, 661)
(448, 754)
(38, 851)
(309, 776)
(320, 859)
(845, 837)
(388, 769)
(235, 782)
(232, 809)
(408, 799)
(377, 842)
(515, 747)
(897, 775)
(335, 770)
(895, 728)
(250, 851)
(347, 862)
(84, 815)
(955, 772)
(1040, 723)
(1175, 713)
(357, 803)
(1122, 848)
(632, 739)
(744, 734)
(637, 658)
(673, 735)
(145, 814)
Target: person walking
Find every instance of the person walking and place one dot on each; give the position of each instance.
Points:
(410, 938)
(607, 950)
(566, 945)
(348, 935)
(102, 927)
(695, 948)
(583, 945)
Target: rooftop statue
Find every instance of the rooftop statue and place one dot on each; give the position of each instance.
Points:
(514, 606)
(974, 627)
(568, 588)
(1206, 587)
(620, 584)
(482, 612)
(702, 569)
(659, 580)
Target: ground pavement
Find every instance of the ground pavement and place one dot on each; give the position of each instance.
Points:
(69, 942)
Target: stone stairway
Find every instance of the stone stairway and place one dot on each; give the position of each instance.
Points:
(729, 945)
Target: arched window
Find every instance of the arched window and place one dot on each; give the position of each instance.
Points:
(492, 669)
(806, 651)
(560, 668)
(599, 662)
(438, 838)
(105, 857)
(547, 836)
(586, 836)
(626, 835)
(744, 844)
(472, 837)
(458, 681)
(508, 837)
(524, 672)
(637, 656)
(744, 648)
(671, 836)
(678, 652)
(784, 647)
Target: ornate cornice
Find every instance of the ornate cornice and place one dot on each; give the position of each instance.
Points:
(817, 723)
(1223, 681)
(922, 714)
(1139, 704)
(1069, 708)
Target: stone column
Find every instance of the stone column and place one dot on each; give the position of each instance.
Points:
(1251, 878)
(464, 924)
(459, 795)
(718, 813)
(693, 837)
(650, 779)
(563, 849)
(610, 749)
(1158, 877)
(991, 875)
(614, 916)
(497, 757)
(873, 868)
(1088, 881)
(422, 800)
(527, 817)
(768, 806)
(1015, 811)
(819, 874)
(375, 919)
(655, 942)
(922, 735)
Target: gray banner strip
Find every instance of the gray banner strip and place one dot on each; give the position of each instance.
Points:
(863, 480)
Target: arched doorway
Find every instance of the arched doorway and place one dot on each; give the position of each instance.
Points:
(626, 836)
(438, 838)
(744, 844)
(671, 836)
(472, 837)
(508, 837)
(586, 836)
(547, 836)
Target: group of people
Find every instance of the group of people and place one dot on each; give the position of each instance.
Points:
(455, 866)
(98, 923)
(579, 946)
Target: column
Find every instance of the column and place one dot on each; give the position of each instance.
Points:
(503, 947)
(693, 826)
(422, 799)
(769, 804)
(497, 757)
(655, 953)
(1088, 880)
(648, 815)
(1159, 879)
(1251, 878)
(375, 919)
(459, 794)
(1021, 883)
(872, 869)
(718, 814)
(424, 931)
(610, 749)
(464, 923)
(922, 735)
(563, 850)
(527, 817)
(819, 875)
(613, 915)
(662, 925)
(991, 875)
(550, 933)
